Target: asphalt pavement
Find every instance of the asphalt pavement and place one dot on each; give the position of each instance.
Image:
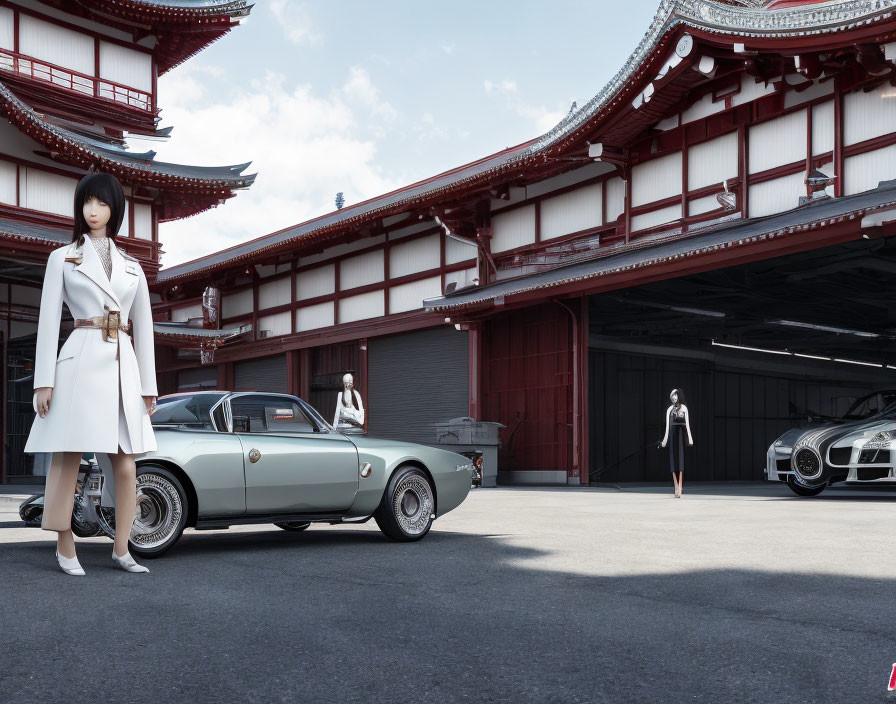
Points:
(733, 593)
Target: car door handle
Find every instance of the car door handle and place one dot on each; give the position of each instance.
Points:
(254, 455)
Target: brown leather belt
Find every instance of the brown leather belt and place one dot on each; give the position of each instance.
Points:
(109, 323)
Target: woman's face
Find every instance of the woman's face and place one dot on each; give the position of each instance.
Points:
(674, 398)
(96, 215)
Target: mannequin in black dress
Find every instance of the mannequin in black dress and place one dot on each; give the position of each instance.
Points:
(677, 426)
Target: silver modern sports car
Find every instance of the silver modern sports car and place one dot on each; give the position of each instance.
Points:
(849, 449)
(225, 458)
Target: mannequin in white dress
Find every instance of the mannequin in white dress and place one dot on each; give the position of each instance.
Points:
(99, 211)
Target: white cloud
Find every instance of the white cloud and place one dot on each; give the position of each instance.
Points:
(295, 19)
(502, 87)
(447, 48)
(305, 147)
(541, 117)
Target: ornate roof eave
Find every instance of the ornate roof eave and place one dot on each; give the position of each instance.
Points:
(181, 333)
(672, 15)
(205, 20)
(720, 18)
(69, 147)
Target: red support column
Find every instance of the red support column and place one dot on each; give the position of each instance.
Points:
(743, 169)
(362, 370)
(584, 398)
(292, 372)
(3, 418)
(838, 139)
(305, 373)
(475, 354)
(627, 175)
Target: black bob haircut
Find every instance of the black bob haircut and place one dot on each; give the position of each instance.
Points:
(108, 189)
(680, 393)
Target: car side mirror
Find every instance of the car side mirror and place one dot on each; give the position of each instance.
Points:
(241, 424)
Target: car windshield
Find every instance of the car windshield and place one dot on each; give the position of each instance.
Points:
(870, 405)
(189, 410)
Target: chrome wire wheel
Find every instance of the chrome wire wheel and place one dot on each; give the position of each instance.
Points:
(412, 504)
(159, 511)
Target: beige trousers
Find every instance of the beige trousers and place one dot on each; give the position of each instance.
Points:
(59, 495)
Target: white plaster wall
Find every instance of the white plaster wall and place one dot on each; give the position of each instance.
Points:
(414, 256)
(656, 217)
(656, 179)
(863, 172)
(320, 281)
(777, 142)
(361, 270)
(572, 211)
(713, 161)
(513, 229)
(234, 304)
(365, 305)
(410, 296)
(777, 195)
(319, 315)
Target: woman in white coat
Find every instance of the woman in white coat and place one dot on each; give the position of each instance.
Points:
(97, 394)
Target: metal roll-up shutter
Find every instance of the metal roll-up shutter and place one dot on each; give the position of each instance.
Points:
(198, 378)
(416, 379)
(264, 374)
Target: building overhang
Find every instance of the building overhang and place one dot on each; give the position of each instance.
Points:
(182, 335)
(658, 75)
(831, 220)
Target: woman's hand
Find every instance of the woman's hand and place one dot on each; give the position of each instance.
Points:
(44, 394)
(150, 402)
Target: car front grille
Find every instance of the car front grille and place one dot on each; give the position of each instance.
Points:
(840, 455)
(874, 457)
(783, 465)
(868, 473)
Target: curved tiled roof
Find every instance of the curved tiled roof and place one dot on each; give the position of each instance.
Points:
(710, 16)
(139, 167)
(183, 27)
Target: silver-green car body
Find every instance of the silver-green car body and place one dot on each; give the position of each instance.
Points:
(238, 474)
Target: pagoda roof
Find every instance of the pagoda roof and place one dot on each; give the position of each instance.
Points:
(11, 229)
(183, 28)
(190, 189)
(773, 25)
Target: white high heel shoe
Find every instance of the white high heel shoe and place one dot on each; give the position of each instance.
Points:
(126, 562)
(69, 565)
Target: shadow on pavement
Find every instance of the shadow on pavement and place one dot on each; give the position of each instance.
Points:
(348, 615)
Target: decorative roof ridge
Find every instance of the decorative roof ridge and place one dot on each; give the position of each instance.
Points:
(819, 18)
(205, 7)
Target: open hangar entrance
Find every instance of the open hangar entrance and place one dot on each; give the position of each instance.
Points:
(756, 347)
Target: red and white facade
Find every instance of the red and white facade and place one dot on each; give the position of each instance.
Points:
(711, 129)
(75, 80)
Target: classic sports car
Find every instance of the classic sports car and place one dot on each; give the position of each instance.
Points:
(809, 459)
(225, 458)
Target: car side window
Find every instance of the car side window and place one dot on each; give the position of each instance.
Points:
(269, 414)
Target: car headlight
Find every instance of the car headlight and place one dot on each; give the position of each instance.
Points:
(881, 441)
(463, 467)
(782, 449)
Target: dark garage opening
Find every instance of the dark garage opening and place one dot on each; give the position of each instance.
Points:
(692, 332)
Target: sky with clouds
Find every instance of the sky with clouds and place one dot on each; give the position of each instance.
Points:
(365, 97)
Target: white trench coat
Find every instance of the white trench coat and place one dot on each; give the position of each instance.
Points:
(90, 376)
